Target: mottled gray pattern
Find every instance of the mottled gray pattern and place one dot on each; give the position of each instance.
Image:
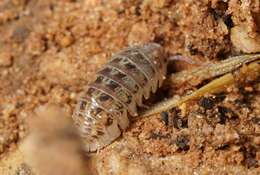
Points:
(102, 112)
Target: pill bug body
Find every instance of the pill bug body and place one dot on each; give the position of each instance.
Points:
(102, 112)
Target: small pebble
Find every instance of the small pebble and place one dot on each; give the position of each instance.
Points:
(179, 123)
(226, 113)
(24, 169)
(183, 143)
(165, 118)
(65, 40)
(249, 89)
(6, 59)
(73, 96)
(207, 103)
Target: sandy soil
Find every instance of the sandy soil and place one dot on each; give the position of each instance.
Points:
(49, 50)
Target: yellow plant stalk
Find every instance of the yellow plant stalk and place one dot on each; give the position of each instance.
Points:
(215, 86)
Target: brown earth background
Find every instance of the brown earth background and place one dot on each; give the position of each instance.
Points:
(49, 51)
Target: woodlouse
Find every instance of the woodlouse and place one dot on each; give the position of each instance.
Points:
(102, 112)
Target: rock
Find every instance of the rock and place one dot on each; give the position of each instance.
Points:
(243, 42)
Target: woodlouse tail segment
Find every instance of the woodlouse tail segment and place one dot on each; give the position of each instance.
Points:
(106, 136)
(121, 85)
(99, 128)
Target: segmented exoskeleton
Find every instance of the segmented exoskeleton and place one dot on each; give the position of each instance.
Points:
(102, 112)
